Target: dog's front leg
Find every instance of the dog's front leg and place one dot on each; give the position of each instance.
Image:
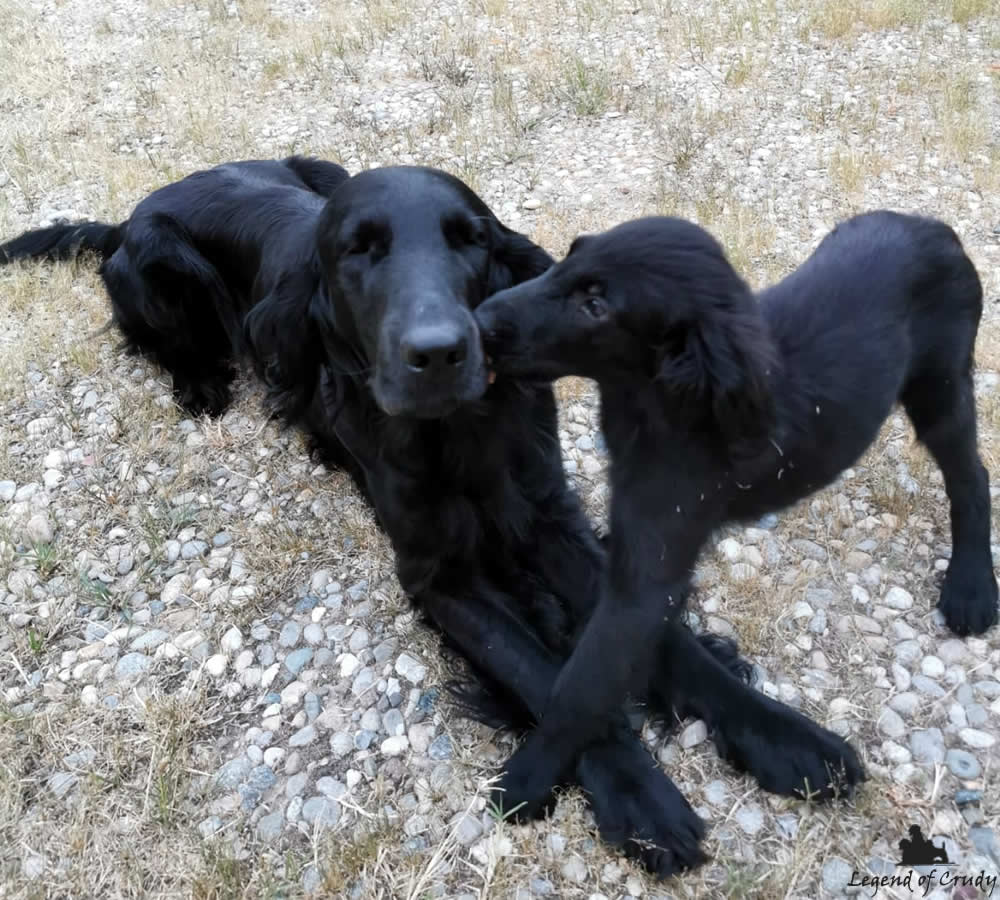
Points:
(786, 752)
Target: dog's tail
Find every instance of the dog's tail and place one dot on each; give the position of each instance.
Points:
(62, 242)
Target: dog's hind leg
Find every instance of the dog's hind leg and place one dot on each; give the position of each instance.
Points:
(319, 175)
(943, 411)
(172, 306)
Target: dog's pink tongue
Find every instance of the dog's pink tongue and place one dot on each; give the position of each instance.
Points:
(490, 376)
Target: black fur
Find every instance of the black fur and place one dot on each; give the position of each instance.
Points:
(353, 299)
(182, 271)
(718, 407)
(62, 241)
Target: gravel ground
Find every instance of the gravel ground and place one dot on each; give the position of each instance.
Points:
(210, 684)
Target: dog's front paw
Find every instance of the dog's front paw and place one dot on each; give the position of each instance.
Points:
(969, 599)
(525, 790)
(211, 396)
(790, 754)
(638, 808)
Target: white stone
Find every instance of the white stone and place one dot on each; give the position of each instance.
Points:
(216, 665)
(410, 669)
(232, 640)
(978, 740)
(395, 746)
(693, 735)
(730, 550)
(898, 598)
(273, 756)
(932, 667)
(349, 664)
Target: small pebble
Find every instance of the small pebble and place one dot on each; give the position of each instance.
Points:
(962, 764)
(978, 740)
(303, 736)
(693, 735)
(289, 634)
(932, 667)
(836, 874)
(891, 724)
(928, 746)
(750, 818)
(408, 668)
(321, 811)
(440, 748)
(394, 746)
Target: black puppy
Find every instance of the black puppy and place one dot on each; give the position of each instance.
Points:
(719, 406)
(361, 291)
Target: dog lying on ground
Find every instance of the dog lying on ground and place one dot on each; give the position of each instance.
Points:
(352, 298)
(720, 407)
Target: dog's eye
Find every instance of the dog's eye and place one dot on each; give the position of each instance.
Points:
(463, 232)
(594, 289)
(367, 239)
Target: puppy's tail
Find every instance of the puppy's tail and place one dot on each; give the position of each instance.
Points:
(62, 242)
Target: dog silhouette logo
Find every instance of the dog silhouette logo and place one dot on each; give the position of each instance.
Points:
(919, 851)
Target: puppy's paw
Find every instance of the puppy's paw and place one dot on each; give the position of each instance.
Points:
(525, 790)
(638, 808)
(789, 754)
(969, 599)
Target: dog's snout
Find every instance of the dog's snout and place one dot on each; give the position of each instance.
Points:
(435, 347)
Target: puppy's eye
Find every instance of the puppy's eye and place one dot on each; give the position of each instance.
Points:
(359, 247)
(594, 289)
(595, 307)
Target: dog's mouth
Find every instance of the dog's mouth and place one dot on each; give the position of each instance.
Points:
(411, 398)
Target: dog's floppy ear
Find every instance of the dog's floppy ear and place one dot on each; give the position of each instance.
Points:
(293, 334)
(719, 363)
(284, 342)
(514, 258)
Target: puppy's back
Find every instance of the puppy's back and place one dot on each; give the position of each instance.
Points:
(873, 269)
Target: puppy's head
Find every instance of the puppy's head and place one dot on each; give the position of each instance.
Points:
(407, 254)
(651, 302)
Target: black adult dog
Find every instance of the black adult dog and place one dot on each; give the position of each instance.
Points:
(360, 293)
(719, 406)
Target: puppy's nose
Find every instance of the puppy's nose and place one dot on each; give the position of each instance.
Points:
(433, 347)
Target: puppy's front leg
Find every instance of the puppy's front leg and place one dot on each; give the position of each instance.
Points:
(614, 654)
(636, 806)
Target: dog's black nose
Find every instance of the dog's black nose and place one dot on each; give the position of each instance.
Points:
(434, 347)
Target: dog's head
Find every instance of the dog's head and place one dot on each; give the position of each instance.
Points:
(653, 301)
(406, 254)
(401, 257)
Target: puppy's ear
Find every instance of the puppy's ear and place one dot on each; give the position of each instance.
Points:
(514, 258)
(720, 364)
